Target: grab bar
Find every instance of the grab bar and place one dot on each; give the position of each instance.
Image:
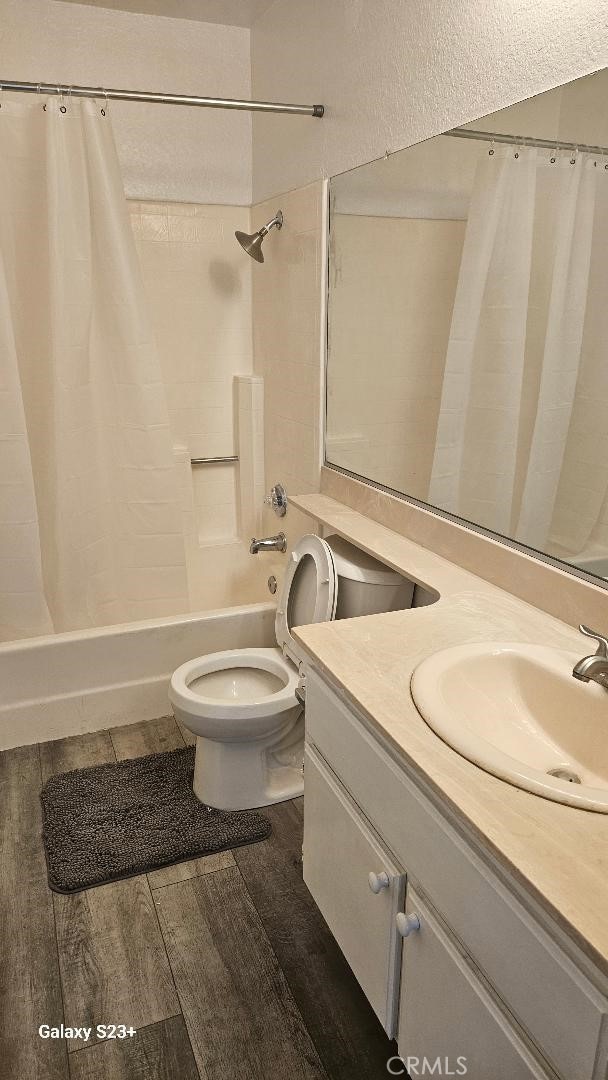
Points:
(213, 460)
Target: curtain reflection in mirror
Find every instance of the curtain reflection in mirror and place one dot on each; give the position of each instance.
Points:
(516, 365)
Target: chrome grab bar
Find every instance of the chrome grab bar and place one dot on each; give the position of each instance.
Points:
(213, 460)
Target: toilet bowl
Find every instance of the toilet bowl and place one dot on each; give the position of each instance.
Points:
(241, 703)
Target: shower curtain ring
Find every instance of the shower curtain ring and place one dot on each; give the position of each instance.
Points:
(491, 150)
(62, 108)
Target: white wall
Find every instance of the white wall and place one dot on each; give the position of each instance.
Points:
(287, 328)
(393, 72)
(166, 152)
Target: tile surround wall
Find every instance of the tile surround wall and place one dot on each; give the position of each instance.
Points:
(287, 328)
(200, 292)
(206, 297)
(199, 285)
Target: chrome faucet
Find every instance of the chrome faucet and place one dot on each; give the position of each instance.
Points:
(593, 668)
(269, 543)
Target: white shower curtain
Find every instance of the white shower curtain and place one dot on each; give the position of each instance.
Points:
(90, 518)
(572, 194)
(473, 471)
(516, 344)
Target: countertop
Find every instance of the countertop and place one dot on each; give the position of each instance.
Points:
(557, 853)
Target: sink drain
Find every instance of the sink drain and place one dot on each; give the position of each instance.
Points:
(565, 774)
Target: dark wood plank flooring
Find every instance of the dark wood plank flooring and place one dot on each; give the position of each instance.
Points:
(223, 964)
(112, 958)
(233, 993)
(159, 1052)
(30, 988)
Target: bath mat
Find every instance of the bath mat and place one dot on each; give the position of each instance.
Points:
(114, 821)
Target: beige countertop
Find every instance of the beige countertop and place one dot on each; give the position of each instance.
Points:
(559, 854)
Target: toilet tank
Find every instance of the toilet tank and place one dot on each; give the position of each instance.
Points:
(366, 586)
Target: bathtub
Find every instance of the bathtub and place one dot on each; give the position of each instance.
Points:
(67, 684)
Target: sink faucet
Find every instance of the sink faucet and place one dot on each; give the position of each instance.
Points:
(269, 543)
(593, 668)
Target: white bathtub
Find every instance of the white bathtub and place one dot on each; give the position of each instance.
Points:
(66, 684)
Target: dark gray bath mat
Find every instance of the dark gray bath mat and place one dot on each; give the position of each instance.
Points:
(115, 821)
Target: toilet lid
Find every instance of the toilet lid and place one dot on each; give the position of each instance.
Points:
(309, 594)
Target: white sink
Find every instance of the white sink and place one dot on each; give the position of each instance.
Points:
(517, 712)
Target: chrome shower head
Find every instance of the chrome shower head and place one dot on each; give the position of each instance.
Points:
(252, 242)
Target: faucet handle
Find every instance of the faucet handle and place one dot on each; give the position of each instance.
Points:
(277, 499)
(601, 640)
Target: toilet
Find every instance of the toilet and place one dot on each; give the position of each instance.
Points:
(242, 703)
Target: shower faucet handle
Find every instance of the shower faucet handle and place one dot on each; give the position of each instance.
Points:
(277, 499)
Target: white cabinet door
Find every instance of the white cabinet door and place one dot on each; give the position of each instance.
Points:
(340, 854)
(447, 1013)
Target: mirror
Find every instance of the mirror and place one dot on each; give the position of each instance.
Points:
(468, 323)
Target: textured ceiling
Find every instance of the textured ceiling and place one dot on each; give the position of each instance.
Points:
(226, 12)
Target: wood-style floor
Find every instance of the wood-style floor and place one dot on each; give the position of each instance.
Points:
(223, 964)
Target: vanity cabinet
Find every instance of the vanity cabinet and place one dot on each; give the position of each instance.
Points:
(480, 973)
(358, 887)
(447, 1012)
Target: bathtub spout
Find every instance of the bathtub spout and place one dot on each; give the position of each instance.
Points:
(269, 543)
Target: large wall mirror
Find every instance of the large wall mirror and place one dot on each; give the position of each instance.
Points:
(468, 323)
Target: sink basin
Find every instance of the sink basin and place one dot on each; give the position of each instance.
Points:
(517, 712)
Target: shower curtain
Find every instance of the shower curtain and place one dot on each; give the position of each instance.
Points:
(523, 343)
(90, 517)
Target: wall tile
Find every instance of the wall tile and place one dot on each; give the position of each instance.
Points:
(199, 287)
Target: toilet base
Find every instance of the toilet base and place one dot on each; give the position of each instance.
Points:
(257, 772)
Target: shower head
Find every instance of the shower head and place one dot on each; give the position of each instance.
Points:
(252, 242)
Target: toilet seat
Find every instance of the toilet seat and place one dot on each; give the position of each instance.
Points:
(310, 591)
(242, 712)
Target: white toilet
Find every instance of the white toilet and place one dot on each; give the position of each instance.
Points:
(242, 703)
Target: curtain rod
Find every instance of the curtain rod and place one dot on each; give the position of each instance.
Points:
(525, 140)
(161, 99)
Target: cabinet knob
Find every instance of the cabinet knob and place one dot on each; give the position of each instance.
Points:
(407, 924)
(378, 882)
